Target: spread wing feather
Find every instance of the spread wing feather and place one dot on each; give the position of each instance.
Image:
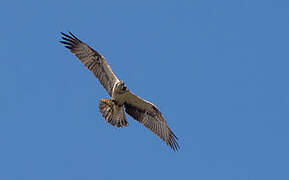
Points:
(94, 61)
(148, 114)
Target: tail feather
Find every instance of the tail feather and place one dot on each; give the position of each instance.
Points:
(112, 113)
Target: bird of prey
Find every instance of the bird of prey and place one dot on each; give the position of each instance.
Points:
(122, 100)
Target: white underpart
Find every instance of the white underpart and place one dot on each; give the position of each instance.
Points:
(120, 98)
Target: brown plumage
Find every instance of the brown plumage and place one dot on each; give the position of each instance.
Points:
(112, 110)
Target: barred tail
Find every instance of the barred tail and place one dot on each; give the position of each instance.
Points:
(112, 113)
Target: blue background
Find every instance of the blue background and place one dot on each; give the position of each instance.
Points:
(218, 70)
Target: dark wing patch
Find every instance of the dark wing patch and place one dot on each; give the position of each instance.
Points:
(147, 114)
(94, 61)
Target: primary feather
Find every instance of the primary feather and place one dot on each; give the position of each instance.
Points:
(94, 61)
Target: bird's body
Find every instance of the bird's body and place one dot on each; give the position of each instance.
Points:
(119, 95)
(122, 100)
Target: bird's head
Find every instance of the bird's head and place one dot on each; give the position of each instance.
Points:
(121, 87)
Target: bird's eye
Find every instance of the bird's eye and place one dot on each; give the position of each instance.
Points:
(123, 88)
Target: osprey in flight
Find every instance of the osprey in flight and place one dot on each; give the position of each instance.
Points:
(112, 109)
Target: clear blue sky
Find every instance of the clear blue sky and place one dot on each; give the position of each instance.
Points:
(218, 70)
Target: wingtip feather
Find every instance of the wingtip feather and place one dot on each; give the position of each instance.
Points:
(72, 35)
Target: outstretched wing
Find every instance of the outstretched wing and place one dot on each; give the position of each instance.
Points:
(94, 61)
(148, 114)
